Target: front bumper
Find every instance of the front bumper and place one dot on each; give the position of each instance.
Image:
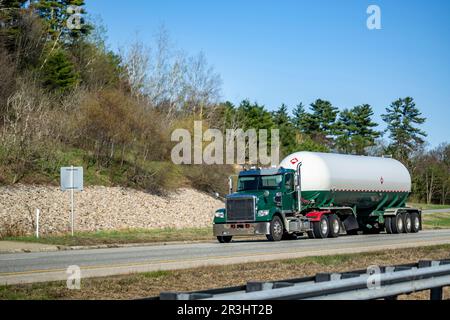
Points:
(241, 229)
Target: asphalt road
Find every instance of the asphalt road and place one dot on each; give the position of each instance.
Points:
(52, 266)
(436, 211)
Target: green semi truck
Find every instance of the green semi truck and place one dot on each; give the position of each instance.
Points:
(322, 195)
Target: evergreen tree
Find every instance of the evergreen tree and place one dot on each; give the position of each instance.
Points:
(299, 117)
(320, 124)
(9, 15)
(55, 14)
(402, 119)
(355, 130)
(254, 116)
(59, 73)
(284, 123)
(345, 130)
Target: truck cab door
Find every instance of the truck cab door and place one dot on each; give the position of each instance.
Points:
(288, 202)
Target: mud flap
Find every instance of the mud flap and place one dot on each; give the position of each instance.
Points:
(351, 223)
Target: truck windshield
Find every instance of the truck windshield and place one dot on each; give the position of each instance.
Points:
(260, 183)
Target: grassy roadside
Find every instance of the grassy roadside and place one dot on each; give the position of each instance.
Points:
(436, 221)
(424, 206)
(151, 284)
(121, 237)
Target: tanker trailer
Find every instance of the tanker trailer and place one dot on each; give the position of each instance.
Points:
(322, 195)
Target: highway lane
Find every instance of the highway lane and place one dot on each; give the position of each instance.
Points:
(51, 266)
(436, 211)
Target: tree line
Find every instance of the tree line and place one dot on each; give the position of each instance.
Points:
(65, 96)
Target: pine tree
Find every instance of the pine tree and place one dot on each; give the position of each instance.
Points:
(284, 123)
(355, 130)
(9, 15)
(298, 119)
(320, 123)
(402, 119)
(55, 14)
(345, 130)
(254, 116)
(59, 74)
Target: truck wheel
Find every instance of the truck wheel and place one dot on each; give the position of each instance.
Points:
(276, 230)
(335, 226)
(321, 228)
(388, 225)
(407, 223)
(415, 220)
(224, 239)
(397, 224)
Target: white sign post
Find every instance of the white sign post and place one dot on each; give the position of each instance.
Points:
(72, 179)
(38, 213)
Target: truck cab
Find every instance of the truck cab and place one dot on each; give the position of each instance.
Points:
(264, 203)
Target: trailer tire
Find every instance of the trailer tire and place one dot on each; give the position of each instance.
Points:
(321, 228)
(224, 239)
(276, 230)
(335, 226)
(415, 220)
(397, 224)
(388, 225)
(407, 223)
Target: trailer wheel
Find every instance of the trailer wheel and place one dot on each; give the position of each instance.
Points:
(388, 225)
(398, 224)
(415, 223)
(321, 228)
(276, 230)
(224, 239)
(407, 222)
(335, 226)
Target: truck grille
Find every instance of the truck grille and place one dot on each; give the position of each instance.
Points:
(241, 209)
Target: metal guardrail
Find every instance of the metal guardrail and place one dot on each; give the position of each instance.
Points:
(388, 283)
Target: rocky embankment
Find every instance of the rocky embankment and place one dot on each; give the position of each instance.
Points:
(102, 208)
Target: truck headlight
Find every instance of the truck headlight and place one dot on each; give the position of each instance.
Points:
(219, 215)
(263, 213)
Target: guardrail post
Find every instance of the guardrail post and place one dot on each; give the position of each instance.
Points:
(436, 293)
(258, 286)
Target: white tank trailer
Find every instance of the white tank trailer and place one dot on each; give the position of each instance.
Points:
(332, 194)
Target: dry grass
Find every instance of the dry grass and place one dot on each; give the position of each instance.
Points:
(151, 284)
(122, 237)
(436, 221)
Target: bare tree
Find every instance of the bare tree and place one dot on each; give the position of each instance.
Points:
(171, 80)
(137, 60)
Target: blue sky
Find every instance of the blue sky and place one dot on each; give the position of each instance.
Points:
(277, 52)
